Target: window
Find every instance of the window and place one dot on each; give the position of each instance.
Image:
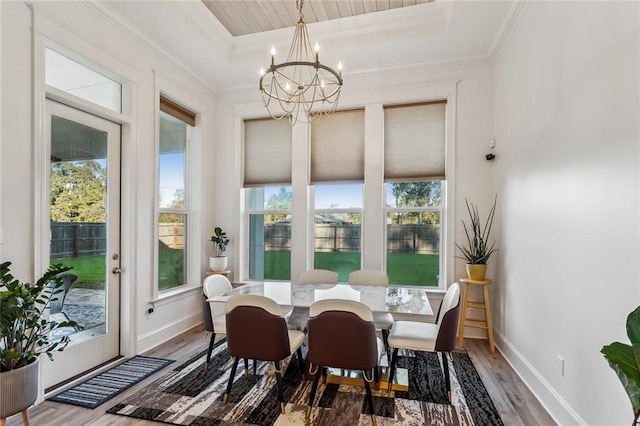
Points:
(173, 195)
(269, 233)
(414, 171)
(74, 78)
(338, 228)
(267, 179)
(413, 232)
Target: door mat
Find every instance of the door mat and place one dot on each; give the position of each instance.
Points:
(98, 389)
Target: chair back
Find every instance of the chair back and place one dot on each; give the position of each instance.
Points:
(60, 294)
(341, 334)
(368, 277)
(318, 276)
(214, 285)
(255, 328)
(447, 321)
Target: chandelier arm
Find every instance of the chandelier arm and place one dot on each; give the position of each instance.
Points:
(301, 82)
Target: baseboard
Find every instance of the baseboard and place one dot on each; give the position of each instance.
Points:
(555, 405)
(163, 334)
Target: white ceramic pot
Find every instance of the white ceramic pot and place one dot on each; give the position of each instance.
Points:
(218, 263)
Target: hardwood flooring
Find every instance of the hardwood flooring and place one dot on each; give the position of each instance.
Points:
(513, 400)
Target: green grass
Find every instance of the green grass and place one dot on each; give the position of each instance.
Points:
(91, 270)
(403, 268)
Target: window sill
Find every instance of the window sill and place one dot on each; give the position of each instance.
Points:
(169, 296)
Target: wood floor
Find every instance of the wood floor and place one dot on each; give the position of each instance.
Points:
(515, 403)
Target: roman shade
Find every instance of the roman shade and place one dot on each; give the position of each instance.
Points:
(337, 148)
(414, 141)
(267, 152)
(177, 111)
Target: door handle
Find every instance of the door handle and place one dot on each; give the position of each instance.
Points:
(116, 271)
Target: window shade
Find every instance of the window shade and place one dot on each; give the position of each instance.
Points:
(177, 111)
(414, 141)
(267, 152)
(337, 147)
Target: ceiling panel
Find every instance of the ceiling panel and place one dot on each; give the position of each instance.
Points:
(241, 17)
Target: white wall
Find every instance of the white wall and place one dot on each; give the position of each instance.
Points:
(566, 126)
(85, 30)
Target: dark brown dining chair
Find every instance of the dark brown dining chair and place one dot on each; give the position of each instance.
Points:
(257, 330)
(342, 335)
(429, 337)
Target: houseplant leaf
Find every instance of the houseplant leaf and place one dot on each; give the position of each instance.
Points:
(633, 326)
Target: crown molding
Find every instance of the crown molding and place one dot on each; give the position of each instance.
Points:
(515, 12)
(121, 24)
(396, 71)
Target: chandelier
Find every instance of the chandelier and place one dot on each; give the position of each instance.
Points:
(301, 88)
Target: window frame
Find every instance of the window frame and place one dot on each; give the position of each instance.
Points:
(246, 224)
(185, 212)
(441, 234)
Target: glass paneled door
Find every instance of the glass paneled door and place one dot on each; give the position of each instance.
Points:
(84, 219)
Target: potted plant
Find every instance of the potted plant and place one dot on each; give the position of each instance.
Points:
(478, 249)
(218, 262)
(624, 360)
(24, 335)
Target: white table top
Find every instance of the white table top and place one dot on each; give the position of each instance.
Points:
(411, 300)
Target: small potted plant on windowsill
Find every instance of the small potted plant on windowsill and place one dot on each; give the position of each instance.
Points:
(218, 262)
(478, 249)
(25, 334)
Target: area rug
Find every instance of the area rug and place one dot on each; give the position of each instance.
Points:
(189, 396)
(101, 388)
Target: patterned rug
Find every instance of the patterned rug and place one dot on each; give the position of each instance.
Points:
(188, 396)
(101, 388)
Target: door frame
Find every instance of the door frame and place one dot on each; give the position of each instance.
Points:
(104, 348)
(128, 323)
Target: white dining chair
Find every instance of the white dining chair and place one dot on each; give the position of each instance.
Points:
(318, 276)
(371, 277)
(214, 312)
(429, 337)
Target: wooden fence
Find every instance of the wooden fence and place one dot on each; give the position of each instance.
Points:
(171, 234)
(77, 239)
(88, 239)
(346, 238)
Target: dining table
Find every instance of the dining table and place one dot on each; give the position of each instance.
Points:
(394, 299)
(295, 299)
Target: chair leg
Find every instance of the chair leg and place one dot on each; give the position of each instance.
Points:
(314, 387)
(246, 367)
(233, 374)
(211, 341)
(367, 388)
(376, 376)
(447, 379)
(279, 381)
(300, 359)
(25, 417)
(385, 340)
(392, 367)
(254, 367)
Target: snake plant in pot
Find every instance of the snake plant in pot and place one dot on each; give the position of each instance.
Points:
(478, 247)
(624, 359)
(25, 334)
